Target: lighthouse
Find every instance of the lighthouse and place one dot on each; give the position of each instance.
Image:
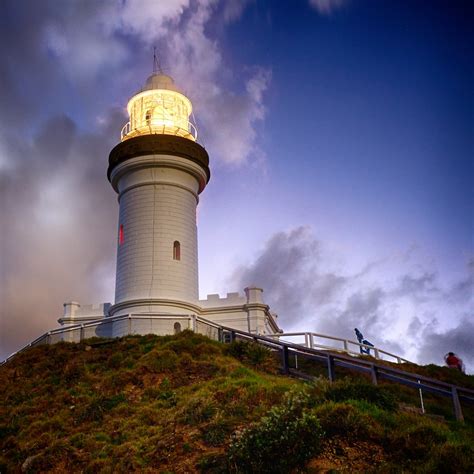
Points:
(158, 171)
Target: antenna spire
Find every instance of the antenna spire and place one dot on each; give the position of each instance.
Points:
(156, 63)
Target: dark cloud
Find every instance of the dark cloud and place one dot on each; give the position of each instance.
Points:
(55, 140)
(425, 283)
(463, 291)
(459, 339)
(65, 66)
(300, 285)
(363, 306)
(58, 218)
(288, 270)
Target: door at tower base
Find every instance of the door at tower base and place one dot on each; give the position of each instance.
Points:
(245, 312)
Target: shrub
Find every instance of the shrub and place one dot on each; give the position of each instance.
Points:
(213, 463)
(198, 409)
(159, 360)
(237, 349)
(346, 389)
(95, 409)
(166, 394)
(283, 440)
(115, 360)
(417, 442)
(252, 354)
(343, 419)
(217, 431)
(452, 458)
(72, 371)
(78, 440)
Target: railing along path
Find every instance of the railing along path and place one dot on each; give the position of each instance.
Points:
(79, 332)
(376, 371)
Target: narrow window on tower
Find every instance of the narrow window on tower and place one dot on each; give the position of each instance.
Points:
(176, 250)
(148, 117)
(121, 238)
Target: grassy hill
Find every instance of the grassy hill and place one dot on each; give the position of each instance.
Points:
(186, 404)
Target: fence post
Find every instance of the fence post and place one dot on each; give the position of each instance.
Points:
(306, 339)
(376, 353)
(285, 360)
(130, 324)
(457, 405)
(311, 341)
(421, 400)
(193, 322)
(373, 372)
(81, 333)
(232, 336)
(48, 338)
(331, 372)
(346, 345)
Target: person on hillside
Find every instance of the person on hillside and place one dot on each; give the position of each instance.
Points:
(360, 338)
(453, 361)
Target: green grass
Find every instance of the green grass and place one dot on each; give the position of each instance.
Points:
(185, 403)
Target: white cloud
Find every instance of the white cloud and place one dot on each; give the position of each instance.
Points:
(233, 9)
(397, 304)
(326, 7)
(226, 118)
(147, 19)
(54, 247)
(227, 110)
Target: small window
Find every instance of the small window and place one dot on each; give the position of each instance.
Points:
(176, 250)
(148, 116)
(121, 237)
(177, 328)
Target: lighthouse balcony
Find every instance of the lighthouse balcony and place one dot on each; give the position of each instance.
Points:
(188, 131)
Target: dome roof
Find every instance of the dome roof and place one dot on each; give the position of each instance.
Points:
(160, 81)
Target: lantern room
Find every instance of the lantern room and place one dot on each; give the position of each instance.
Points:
(159, 108)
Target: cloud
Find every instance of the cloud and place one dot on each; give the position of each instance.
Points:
(146, 19)
(234, 9)
(399, 313)
(227, 116)
(58, 221)
(89, 40)
(64, 83)
(326, 7)
(458, 339)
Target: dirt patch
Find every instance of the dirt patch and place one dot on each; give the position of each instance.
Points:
(338, 454)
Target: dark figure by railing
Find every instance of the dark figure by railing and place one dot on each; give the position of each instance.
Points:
(360, 338)
(453, 361)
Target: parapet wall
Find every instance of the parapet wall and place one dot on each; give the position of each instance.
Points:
(215, 301)
(245, 312)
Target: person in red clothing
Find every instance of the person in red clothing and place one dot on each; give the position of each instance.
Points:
(453, 361)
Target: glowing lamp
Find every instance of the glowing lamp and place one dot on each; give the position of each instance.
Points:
(159, 108)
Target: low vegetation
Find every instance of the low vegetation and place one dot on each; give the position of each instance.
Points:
(186, 404)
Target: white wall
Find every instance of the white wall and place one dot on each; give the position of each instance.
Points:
(157, 207)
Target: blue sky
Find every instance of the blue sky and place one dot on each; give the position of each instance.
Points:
(340, 138)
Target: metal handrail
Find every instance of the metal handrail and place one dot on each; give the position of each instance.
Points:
(309, 339)
(89, 324)
(376, 371)
(192, 130)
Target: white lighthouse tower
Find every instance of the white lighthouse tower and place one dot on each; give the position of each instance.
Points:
(158, 171)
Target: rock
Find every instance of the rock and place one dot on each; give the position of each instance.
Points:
(28, 464)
